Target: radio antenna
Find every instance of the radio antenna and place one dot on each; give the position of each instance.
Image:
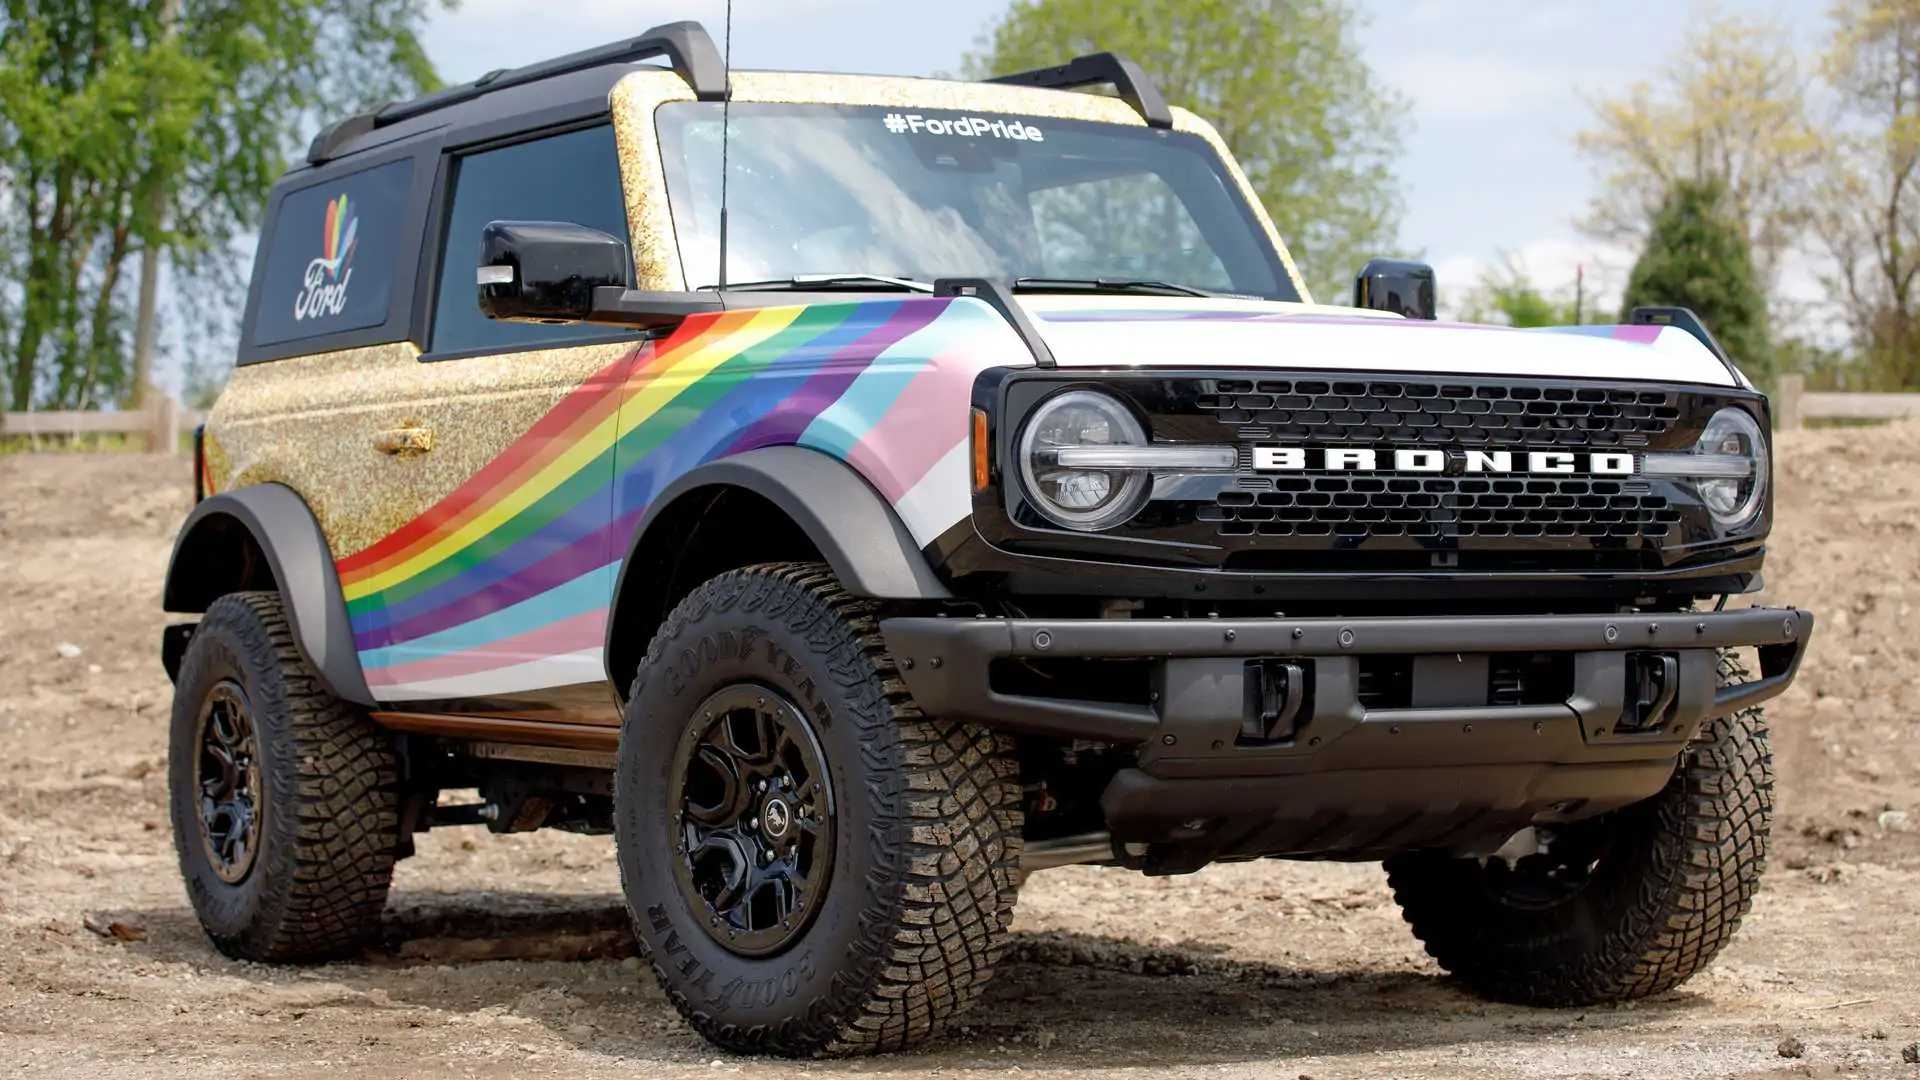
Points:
(726, 106)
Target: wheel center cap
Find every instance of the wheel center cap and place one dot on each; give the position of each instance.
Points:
(777, 818)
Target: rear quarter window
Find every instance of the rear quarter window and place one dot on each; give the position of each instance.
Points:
(330, 260)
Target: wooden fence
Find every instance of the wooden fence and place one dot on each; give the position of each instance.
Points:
(160, 423)
(1793, 405)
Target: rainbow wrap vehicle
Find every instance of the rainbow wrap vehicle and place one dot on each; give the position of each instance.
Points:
(503, 586)
(853, 494)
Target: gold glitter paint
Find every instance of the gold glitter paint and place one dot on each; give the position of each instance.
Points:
(636, 97)
(314, 422)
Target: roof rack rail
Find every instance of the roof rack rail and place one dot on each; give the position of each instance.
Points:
(685, 45)
(1135, 87)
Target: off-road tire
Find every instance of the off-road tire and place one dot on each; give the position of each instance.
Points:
(927, 826)
(330, 818)
(1681, 872)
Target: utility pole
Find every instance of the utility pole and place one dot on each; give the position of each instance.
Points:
(1579, 294)
(144, 326)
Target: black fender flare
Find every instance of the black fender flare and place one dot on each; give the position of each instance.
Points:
(286, 532)
(849, 523)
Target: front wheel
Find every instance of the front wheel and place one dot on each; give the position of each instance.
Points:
(812, 866)
(1619, 907)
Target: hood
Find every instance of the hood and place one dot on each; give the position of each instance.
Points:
(1129, 331)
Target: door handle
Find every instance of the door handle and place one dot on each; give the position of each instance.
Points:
(404, 441)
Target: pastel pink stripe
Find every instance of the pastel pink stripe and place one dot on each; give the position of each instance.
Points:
(926, 421)
(1639, 334)
(584, 631)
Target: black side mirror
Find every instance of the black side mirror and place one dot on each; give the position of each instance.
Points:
(559, 272)
(546, 271)
(1404, 288)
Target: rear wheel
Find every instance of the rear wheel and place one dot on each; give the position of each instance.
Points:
(812, 865)
(1623, 906)
(282, 796)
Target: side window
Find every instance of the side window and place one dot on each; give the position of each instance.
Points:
(571, 177)
(330, 259)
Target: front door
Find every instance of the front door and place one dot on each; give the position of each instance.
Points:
(492, 597)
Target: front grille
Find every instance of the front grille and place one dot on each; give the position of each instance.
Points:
(1397, 505)
(1466, 517)
(1441, 413)
(1447, 414)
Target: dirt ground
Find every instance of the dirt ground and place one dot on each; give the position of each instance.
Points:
(509, 957)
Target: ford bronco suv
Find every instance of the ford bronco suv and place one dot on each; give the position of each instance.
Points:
(856, 493)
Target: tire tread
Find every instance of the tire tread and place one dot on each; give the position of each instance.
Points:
(946, 801)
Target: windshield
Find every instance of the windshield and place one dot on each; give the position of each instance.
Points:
(816, 189)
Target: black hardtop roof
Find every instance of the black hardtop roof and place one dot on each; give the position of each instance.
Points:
(581, 81)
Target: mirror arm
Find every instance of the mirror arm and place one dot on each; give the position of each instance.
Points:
(619, 306)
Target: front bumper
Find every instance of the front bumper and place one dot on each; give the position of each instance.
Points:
(1349, 772)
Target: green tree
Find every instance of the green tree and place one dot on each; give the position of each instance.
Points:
(120, 133)
(1507, 296)
(1729, 107)
(1697, 257)
(1867, 213)
(1284, 83)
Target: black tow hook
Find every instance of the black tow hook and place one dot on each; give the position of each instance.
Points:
(1276, 696)
(1653, 686)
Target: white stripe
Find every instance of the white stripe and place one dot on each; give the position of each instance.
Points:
(1370, 345)
(940, 498)
(567, 669)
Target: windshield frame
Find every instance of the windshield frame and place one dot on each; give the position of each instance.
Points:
(1197, 147)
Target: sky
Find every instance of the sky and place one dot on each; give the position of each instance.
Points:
(1497, 91)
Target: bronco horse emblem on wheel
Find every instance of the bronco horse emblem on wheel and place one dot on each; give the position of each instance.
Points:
(999, 500)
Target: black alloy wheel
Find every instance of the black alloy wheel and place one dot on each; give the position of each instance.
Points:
(228, 779)
(284, 799)
(812, 865)
(753, 820)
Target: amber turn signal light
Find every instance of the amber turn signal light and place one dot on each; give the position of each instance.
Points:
(980, 448)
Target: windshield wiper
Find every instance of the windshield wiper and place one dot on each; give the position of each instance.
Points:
(824, 282)
(1115, 285)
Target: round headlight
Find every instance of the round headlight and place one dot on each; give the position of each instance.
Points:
(1085, 499)
(1732, 436)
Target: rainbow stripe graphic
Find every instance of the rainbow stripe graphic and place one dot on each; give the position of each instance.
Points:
(341, 234)
(504, 585)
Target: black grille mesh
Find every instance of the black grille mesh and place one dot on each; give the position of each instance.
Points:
(1456, 415)
(1441, 413)
(1345, 505)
